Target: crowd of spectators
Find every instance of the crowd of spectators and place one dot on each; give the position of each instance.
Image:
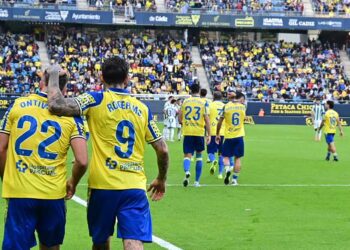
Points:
(239, 6)
(125, 5)
(19, 64)
(332, 7)
(276, 71)
(44, 3)
(157, 64)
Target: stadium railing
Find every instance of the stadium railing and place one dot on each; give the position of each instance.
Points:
(207, 10)
(158, 97)
(53, 6)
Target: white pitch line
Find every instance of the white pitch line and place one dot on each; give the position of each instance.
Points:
(260, 185)
(267, 185)
(155, 239)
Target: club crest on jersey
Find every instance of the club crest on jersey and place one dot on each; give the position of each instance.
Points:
(21, 166)
(111, 164)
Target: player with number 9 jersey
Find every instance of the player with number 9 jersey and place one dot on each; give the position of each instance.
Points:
(117, 161)
(120, 126)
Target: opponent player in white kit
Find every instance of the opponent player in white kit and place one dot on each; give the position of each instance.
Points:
(317, 114)
(171, 112)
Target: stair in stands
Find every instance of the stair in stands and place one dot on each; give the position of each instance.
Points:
(345, 59)
(44, 56)
(82, 4)
(160, 5)
(202, 77)
(308, 10)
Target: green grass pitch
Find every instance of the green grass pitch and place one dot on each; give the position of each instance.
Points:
(279, 216)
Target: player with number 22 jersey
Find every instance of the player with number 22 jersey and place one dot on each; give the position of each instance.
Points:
(34, 146)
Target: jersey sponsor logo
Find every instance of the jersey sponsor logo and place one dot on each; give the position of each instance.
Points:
(42, 170)
(22, 167)
(130, 166)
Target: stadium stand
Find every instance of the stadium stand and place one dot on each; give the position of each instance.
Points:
(39, 3)
(19, 64)
(332, 7)
(276, 71)
(123, 6)
(238, 6)
(157, 65)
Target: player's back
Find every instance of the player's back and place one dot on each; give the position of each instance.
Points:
(318, 110)
(234, 114)
(171, 110)
(216, 109)
(193, 111)
(120, 126)
(331, 121)
(38, 145)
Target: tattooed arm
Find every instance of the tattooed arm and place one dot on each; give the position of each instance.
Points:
(157, 187)
(59, 105)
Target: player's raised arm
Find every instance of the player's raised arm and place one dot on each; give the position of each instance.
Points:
(80, 151)
(4, 141)
(157, 187)
(59, 105)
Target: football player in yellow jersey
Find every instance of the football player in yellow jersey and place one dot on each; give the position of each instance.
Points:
(120, 126)
(329, 124)
(195, 123)
(216, 109)
(33, 154)
(203, 94)
(233, 115)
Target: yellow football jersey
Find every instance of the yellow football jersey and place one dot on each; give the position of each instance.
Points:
(330, 121)
(120, 125)
(216, 109)
(37, 151)
(193, 111)
(234, 114)
(86, 126)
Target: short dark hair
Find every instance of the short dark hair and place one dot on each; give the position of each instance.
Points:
(330, 104)
(173, 101)
(203, 92)
(195, 88)
(217, 95)
(239, 95)
(115, 70)
(62, 80)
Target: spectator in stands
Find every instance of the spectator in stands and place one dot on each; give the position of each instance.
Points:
(19, 64)
(236, 5)
(157, 65)
(276, 70)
